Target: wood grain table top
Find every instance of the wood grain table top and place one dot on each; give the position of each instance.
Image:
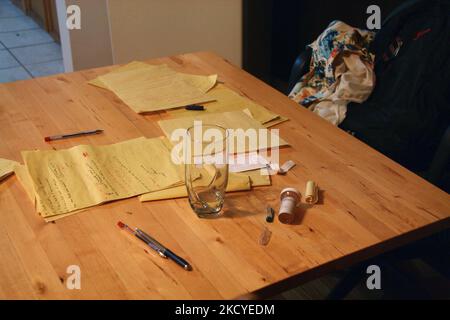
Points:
(369, 204)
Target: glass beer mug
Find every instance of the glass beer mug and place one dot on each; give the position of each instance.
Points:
(206, 168)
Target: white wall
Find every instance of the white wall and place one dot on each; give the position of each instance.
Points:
(91, 45)
(118, 31)
(143, 29)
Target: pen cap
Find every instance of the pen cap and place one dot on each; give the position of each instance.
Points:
(289, 197)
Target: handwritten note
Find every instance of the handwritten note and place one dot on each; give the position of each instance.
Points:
(84, 176)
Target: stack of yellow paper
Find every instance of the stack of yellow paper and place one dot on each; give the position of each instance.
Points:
(69, 180)
(226, 100)
(64, 182)
(160, 93)
(240, 121)
(236, 182)
(147, 88)
(6, 168)
(242, 181)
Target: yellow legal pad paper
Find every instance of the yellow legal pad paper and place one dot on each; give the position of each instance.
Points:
(227, 100)
(69, 180)
(229, 120)
(218, 99)
(21, 173)
(147, 88)
(6, 168)
(130, 66)
(236, 182)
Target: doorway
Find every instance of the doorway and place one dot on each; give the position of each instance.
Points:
(29, 40)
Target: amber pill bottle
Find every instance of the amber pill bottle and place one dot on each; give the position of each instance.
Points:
(290, 198)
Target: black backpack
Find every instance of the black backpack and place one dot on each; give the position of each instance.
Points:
(409, 110)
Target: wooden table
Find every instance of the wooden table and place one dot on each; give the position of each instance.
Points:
(369, 203)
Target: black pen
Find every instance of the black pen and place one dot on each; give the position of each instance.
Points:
(72, 135)
(195, 107)
(155, 245)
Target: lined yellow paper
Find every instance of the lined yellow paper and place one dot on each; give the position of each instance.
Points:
(236, 182)
(227, 100)
(258, 179)
(229, 120)
(6, 168)
(130, 66)
(147, 89)
(218, 99)
(84, 176)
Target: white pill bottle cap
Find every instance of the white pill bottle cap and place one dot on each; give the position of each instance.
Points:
(290, 197)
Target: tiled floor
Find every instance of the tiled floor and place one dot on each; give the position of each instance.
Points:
(26, 51)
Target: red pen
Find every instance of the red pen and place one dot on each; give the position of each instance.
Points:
(72, 135)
